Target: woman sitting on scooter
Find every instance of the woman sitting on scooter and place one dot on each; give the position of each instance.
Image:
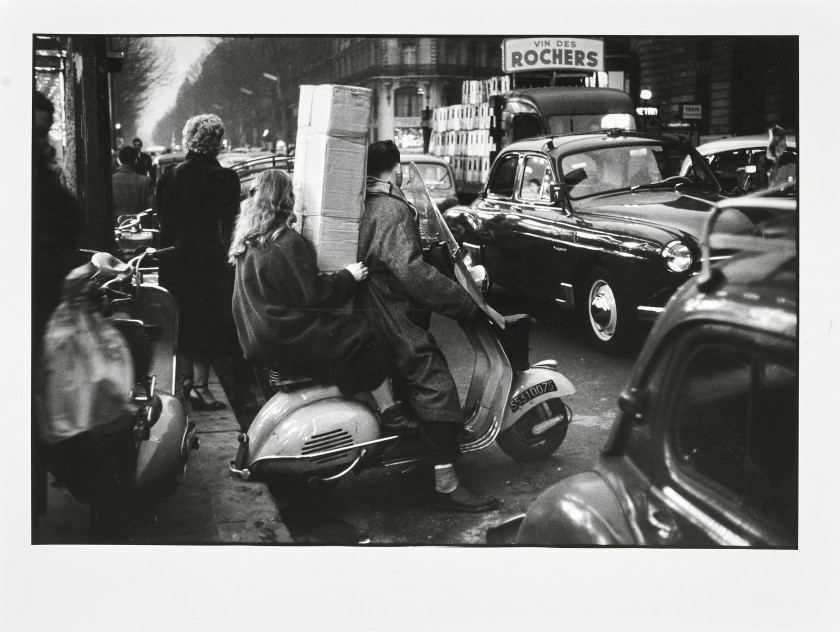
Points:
(280, 301)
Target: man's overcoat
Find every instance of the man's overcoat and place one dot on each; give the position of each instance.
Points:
(398, 295)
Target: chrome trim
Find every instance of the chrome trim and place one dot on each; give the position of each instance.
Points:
(568, 299)
(648, 313)
(317, 455)
(347, 471)
(718, 533)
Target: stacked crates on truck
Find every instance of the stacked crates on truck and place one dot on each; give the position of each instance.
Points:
(461, 134)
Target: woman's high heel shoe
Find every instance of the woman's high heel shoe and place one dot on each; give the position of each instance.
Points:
(186, 387)
(204, 403)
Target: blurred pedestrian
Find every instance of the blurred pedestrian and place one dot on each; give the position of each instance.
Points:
(133, 193)
(199, 200)
(143, 166)
(772, 167)
(397, 298)
(426, 127)
(56, 220)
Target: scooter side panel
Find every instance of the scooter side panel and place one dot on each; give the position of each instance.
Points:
(160, 458)
(531, 388)
(311, 438)
(279, 408)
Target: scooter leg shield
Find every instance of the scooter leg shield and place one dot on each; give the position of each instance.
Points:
(531, 388)
(161, 458)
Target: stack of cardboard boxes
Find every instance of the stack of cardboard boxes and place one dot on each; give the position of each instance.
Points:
(329, 176)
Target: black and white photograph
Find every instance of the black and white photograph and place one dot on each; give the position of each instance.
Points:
(453, 308)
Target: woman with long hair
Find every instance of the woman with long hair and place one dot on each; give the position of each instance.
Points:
(280, 303)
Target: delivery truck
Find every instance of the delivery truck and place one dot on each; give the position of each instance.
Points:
(492, 116)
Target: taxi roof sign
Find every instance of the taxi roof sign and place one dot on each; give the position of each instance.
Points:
(553, 53)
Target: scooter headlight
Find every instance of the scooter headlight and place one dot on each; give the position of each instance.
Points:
(677, 256)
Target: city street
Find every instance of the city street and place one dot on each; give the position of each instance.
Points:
(392, 506)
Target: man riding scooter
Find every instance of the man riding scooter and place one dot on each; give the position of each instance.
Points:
(398, 298)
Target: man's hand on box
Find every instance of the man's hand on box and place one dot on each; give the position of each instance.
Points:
(358, 270)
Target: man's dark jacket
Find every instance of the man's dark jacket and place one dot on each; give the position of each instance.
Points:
(398, 295)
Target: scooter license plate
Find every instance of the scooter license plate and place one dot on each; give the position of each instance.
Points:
(530, 393)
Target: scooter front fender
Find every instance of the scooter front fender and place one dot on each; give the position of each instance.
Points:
(531, 388)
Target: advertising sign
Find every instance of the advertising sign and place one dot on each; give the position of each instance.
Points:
(691, 111)
(552, 53)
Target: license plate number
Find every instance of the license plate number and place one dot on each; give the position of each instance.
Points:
(530, 393)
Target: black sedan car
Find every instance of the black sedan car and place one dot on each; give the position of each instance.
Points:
(601, 223)
(704, 451)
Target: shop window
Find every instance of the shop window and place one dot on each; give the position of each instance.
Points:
(407, 102)
(409, 54)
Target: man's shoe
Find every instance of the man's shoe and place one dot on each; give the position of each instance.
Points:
(396, 420)
(463, 500)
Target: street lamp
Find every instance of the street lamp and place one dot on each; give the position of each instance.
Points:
(645, 110)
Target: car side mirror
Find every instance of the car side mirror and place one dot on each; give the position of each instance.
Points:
(634, 402)
(557, 191)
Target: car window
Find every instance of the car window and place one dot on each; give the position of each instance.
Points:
(503, 178)
(625, 166)
(536, 178)
(735, 425)
(435, 176)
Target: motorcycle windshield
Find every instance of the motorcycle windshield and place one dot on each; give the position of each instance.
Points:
(429, 213)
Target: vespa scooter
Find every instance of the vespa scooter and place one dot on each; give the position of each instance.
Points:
(309, 434)
(147, 315)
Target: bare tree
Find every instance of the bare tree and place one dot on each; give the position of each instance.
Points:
(146, 64)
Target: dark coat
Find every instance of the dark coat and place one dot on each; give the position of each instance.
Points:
(280, 303)
(143, 166)
(133, 193)
(769, 172)
(200, 200)
(398, 295)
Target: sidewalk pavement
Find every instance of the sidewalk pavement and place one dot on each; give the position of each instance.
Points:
(212, 505)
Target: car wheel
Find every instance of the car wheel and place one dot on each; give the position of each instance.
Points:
(538, 433)
(608, 317)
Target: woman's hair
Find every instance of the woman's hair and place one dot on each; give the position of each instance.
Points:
(265, 214)
(203, 134)
(778, 142)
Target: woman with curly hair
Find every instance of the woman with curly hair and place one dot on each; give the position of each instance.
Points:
(280, 301)
(199, 200)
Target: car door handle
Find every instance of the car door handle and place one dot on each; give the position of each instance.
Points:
(515, 208)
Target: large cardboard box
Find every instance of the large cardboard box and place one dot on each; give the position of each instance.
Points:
(329, 175)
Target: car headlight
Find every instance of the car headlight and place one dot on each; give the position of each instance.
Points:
(677, 256)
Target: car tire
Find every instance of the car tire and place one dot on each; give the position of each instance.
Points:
(607, 314)
(519, 441)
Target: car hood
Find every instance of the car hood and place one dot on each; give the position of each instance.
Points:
(656, 211)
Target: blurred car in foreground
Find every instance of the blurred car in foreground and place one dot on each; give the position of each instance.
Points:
(437, 175)
(704, 452)
(729, 159)
(600, 223)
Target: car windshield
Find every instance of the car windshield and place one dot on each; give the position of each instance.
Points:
(435, 176)
(624, 167)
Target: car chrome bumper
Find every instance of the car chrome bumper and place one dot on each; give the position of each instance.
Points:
(648, 313)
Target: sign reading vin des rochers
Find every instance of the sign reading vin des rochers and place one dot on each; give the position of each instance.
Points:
(553, 53)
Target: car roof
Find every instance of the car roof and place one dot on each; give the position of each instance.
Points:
(588, 141)
(739, 142)
(575, 100)
(407, 158)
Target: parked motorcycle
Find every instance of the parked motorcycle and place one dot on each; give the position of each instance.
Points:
(308, 433)
(147, 315)
(136, 232)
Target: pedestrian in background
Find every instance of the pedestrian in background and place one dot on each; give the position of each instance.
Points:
(199, 202)
(397, 298)
(133, 193)
(772, 167)
(143, 166)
